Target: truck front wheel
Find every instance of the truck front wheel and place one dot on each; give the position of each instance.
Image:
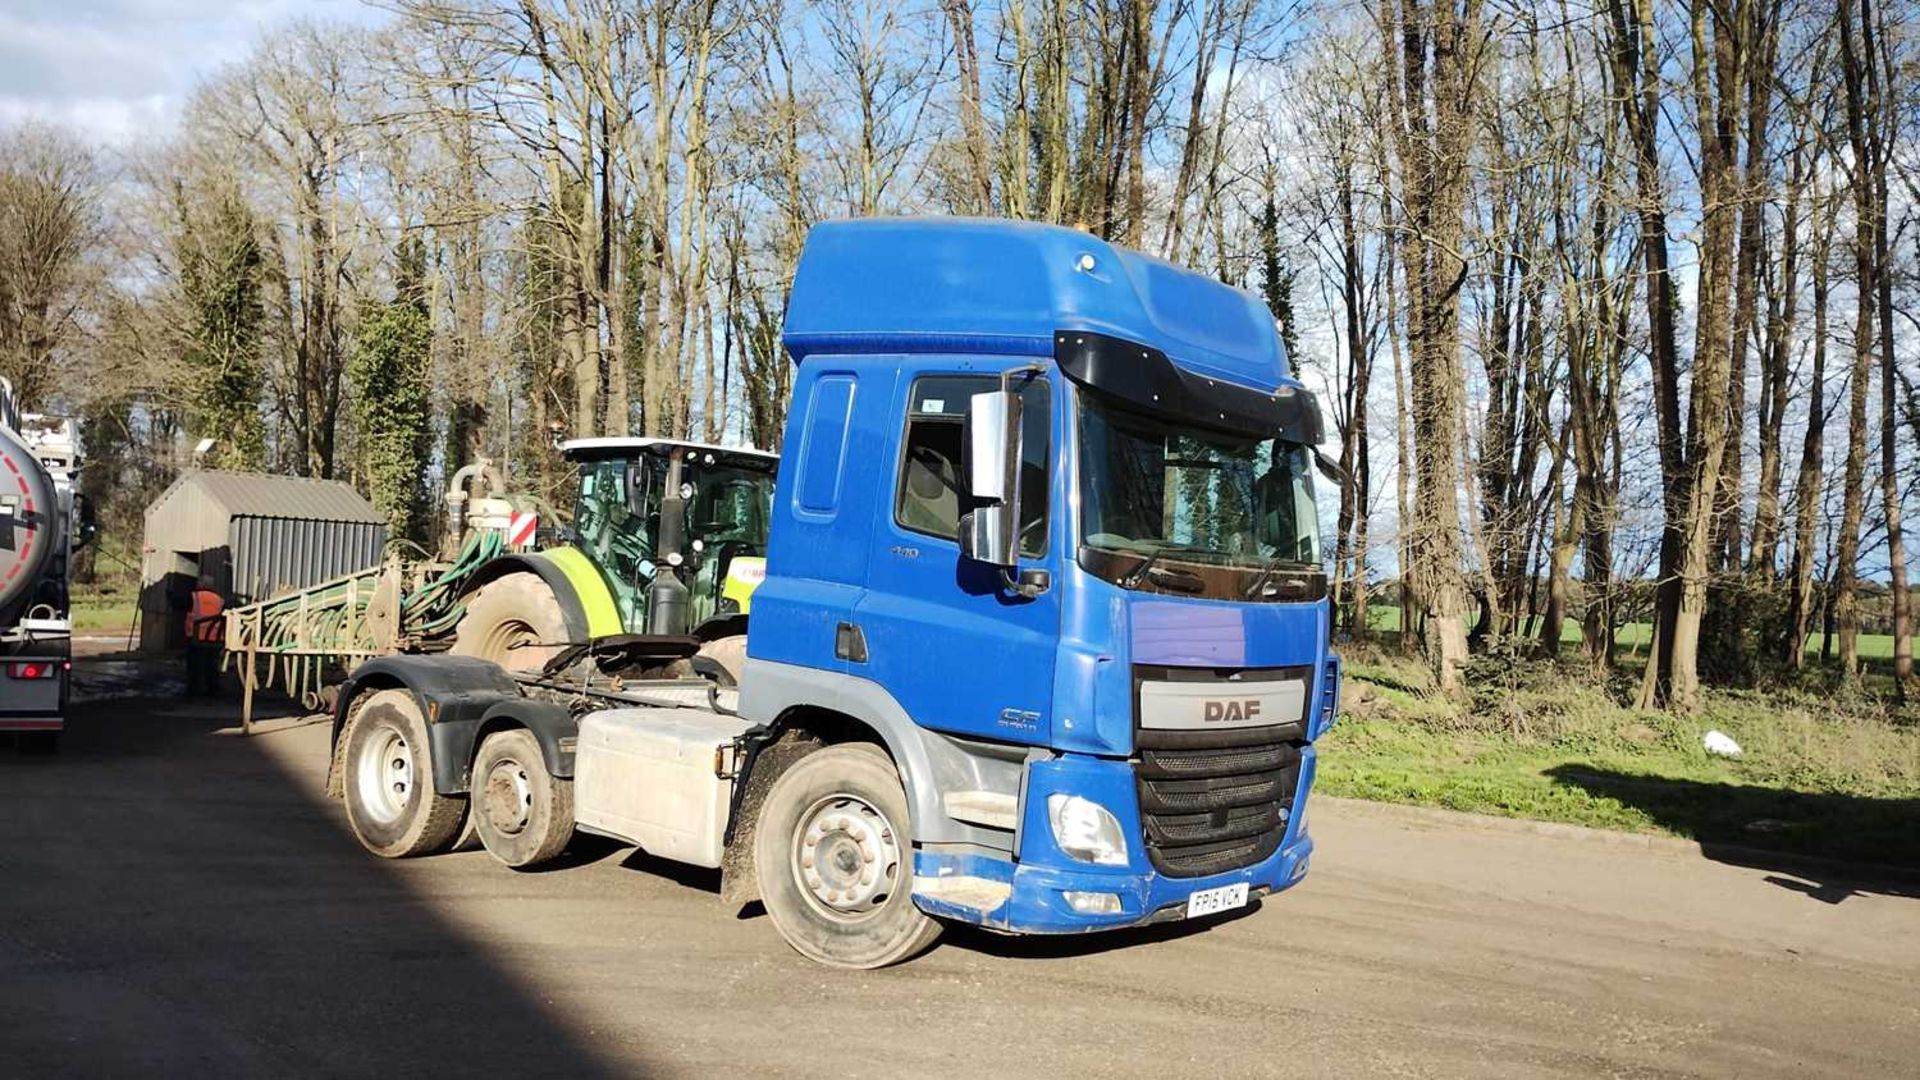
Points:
(388, 776)
(523, 813)
(836, 864)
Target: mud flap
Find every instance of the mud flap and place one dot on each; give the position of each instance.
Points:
(739, 880)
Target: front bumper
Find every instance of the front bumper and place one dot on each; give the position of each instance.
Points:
(1027, 894)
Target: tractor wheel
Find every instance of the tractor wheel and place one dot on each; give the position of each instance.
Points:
(729, 654)
(514, 621)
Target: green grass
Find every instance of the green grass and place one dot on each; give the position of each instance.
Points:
(96, 618)
(1838, 778)
(96, 614)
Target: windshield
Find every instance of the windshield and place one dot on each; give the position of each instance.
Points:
(1149, 487)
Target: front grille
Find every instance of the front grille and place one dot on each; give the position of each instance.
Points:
(1206, 810)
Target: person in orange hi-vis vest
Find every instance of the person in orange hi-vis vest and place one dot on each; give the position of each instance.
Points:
(206, 629)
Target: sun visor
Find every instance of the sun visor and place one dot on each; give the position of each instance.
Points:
(1144, 377)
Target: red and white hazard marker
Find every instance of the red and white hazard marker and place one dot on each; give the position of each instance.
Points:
(521, 526)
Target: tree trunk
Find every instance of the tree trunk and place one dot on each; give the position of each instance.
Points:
(1807, 489)
(1846, 611)
(1782, 319)
(979, 198)
(1139, 101)
(1878, 157)
(1636, 66)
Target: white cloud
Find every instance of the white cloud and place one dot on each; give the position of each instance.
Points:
(119, 70)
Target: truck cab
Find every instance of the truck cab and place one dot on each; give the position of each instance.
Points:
(1041, 644)
(1045, 522)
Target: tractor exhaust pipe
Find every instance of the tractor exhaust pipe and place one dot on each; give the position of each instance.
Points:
(669, 603)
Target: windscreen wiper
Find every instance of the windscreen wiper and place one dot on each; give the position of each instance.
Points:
(1139, 573)
(1266, 572)
(1260, 581)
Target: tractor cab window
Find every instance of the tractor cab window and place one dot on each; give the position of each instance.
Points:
(728, 512)
(616, 519)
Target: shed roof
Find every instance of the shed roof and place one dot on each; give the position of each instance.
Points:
(238, 494)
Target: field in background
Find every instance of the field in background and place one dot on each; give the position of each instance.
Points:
(1385, 619)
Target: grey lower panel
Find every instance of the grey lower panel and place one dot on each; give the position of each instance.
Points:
(931, 764)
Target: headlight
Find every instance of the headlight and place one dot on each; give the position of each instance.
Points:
(1085, 830)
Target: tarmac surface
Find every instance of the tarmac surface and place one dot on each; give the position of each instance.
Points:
(177, 899)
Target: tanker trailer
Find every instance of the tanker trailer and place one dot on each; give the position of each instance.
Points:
(38, 461)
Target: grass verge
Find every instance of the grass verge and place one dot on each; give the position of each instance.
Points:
(101, 614)
(1819, 774)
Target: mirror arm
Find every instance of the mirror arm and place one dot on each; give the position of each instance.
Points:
(1026, 584)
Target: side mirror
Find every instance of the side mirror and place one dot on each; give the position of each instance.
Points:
(992, 462)
(1328, 467)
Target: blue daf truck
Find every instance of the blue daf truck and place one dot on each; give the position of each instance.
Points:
(1042, 644)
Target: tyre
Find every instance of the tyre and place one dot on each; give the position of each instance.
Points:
(835, 862)
(514, 621)
(730, 653)
(387, 773)
(523, 814)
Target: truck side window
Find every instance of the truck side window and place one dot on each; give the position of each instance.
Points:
(932, 490)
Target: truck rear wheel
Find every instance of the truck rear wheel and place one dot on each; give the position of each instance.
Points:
(514, 621)
(388, 776)
(523, 813)
(835, 862)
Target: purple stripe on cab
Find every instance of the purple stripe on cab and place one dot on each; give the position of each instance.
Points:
(1196, 635)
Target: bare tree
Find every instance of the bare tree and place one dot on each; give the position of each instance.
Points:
(50, 235)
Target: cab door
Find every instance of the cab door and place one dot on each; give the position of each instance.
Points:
(955, 647)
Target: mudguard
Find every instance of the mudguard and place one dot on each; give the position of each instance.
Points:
(552, 725)
(576, 582)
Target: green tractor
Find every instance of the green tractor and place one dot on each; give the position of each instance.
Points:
(668, 542)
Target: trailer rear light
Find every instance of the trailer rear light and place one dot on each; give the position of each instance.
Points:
(33, 669)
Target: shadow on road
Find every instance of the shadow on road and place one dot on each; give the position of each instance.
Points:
(177, 903)
(1806, 839)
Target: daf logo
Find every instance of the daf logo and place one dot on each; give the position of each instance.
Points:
(1231, 712)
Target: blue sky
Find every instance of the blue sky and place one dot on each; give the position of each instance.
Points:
(118, 70)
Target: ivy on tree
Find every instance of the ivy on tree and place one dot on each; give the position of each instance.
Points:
(389, 371)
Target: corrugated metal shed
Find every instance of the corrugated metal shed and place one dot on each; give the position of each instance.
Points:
(261, 536)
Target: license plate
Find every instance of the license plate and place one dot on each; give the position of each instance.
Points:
(1212, 901)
